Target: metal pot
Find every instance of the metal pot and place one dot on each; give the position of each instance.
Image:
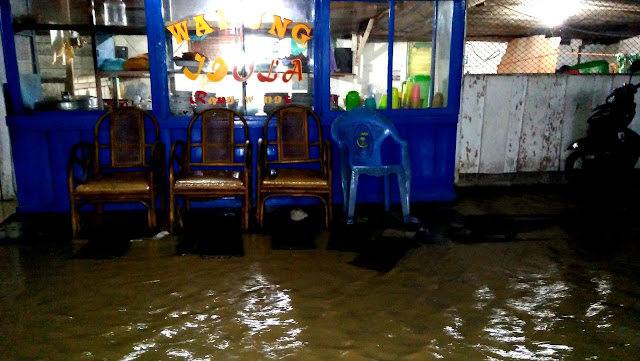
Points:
(67, 105)
(78, 103)
(89, 102)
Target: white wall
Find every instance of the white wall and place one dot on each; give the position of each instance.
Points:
(483, 57)
(7, 184)
(631, 45)
(523, 123)
(565, 58)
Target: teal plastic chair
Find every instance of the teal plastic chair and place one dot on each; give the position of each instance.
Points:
(360, 133)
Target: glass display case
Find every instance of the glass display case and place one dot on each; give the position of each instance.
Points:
(79, 55)
(406, 42)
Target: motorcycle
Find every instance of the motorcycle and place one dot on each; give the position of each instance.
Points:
(610, 148)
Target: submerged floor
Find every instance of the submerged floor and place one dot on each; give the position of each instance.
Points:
(518, 275)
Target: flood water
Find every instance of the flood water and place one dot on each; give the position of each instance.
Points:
(545, 299)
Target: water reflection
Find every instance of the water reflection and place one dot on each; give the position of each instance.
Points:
(603, 289)
(267, 313)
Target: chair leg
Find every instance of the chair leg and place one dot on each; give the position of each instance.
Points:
(75, 224)
(345, 188)
(386, 193)
(329, 210)
(325, 203)
(172, 210)
(404, 196)
(151, 213)
(179, 216)
(260, 210)
(353, 190)
(99, 208)
(245, 212)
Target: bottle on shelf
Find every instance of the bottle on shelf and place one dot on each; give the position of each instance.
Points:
(115, 13)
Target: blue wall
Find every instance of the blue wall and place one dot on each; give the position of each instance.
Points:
(42, 141)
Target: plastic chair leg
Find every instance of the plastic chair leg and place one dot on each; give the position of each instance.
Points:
(353, 191)
(344, 175)
(386, 193)
(404, 196)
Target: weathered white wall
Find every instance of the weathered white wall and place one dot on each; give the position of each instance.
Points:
(523, 123)
(7, 188)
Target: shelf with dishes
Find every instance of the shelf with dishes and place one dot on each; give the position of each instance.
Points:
(124, 74)
(341, 75)
(89, 28)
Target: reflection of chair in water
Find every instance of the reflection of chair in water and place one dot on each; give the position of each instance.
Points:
(216, 162)
(360, 134)
(284, 155)
(125, 164)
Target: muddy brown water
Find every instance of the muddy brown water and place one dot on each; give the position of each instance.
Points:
(544, 299)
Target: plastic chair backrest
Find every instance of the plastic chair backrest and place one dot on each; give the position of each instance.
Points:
(361, 132)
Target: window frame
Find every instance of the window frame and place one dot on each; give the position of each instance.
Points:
(455, 63)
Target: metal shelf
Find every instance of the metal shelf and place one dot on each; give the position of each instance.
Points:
(124, 74)
(120, 30)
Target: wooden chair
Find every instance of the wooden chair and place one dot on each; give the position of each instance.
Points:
(125, 164)
(285, 153)
(207, 166)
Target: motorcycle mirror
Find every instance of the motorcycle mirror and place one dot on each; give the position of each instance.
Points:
(635, 66)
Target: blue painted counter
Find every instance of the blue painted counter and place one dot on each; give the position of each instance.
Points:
(42, 142)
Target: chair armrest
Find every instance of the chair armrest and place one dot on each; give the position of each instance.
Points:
(404, 145)
(177, 157)
(327, 160)
(82, 155)
(262, 159)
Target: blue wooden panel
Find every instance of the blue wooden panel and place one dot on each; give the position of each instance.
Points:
(33, 170)
(60, 144)
(45, 145)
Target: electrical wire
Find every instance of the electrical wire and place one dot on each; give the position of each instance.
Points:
(133, 46)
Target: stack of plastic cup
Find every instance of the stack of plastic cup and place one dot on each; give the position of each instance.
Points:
(395, 100)
(415, 96)
(406, 96)
(383, 101)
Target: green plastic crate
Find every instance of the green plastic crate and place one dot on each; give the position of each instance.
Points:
(592, 67)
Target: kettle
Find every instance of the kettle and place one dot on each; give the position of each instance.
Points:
(425, 82)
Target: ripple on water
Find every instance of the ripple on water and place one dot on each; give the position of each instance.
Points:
(511, 301)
